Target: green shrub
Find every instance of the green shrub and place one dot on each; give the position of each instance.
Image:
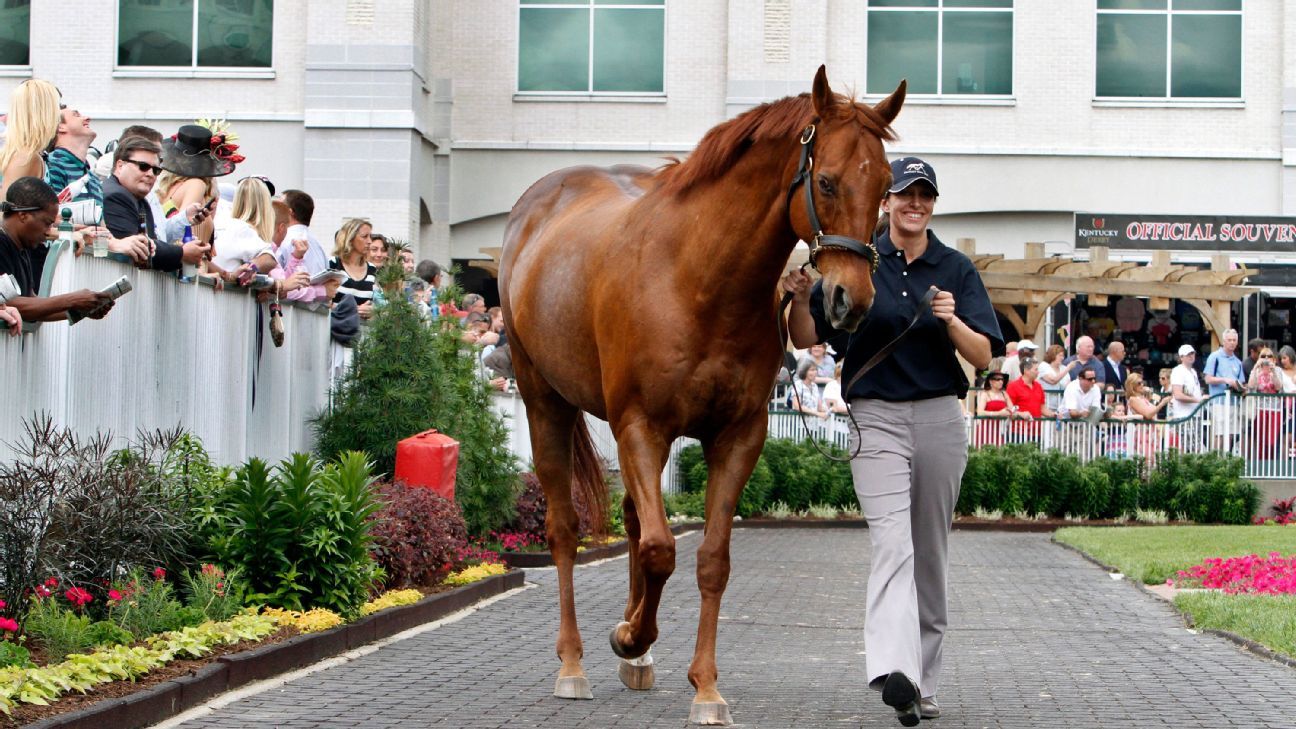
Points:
(149, 606)
(106, 632)
(755, 495)
(299, 534)
(59, 630)
(13, 655)
(1205, 488)
(217, 594)
(407, 377)
(688, 504)
(689, 459)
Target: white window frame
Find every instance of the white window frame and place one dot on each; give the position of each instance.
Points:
(193, 70)
(1168, 100)
(590, 94)
(941, 96)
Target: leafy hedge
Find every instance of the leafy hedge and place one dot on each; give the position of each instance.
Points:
(792, 472)
(1013, 479)
(1205, 488)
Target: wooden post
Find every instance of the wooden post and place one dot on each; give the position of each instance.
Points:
(1098, 254)
(1160, 259)
(966, 246)
(1034, 250)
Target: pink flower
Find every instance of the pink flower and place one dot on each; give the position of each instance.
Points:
(159, 574)
(114, 596)
(41, 591)
(8, 625)
(2, 603)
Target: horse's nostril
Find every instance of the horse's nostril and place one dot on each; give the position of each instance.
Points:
(841, 304)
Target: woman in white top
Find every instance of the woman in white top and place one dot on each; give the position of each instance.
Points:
(831, 397)
(248, 232)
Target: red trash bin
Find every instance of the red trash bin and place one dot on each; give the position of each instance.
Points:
(429, 459)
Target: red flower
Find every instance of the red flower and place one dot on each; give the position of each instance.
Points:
(114, 596)
(77, 596)
(2, 603)
(41, 591)
(159, 574)
(8, 625)
(51, 583)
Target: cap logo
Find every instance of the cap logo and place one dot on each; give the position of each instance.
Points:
(916, 167)
(1098, 222)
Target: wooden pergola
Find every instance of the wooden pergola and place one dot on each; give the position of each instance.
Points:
(1037, 282)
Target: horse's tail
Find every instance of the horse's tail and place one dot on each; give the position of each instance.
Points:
(587, 476)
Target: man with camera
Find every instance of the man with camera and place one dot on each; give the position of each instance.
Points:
(29, 209)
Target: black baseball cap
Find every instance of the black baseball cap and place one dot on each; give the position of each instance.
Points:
(908, 170)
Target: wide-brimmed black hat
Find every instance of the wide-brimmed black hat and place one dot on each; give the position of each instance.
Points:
(194, 151)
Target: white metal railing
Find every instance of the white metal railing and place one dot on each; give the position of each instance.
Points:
(1256, 427)
(169, 354)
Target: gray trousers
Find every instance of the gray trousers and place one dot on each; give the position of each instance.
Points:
(907, 477)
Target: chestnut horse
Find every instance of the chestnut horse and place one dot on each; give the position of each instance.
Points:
(647, 298)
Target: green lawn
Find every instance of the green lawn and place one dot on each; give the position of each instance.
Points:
(1267, 619)
(1153, 554)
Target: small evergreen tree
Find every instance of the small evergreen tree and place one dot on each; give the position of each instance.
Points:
(406, 377)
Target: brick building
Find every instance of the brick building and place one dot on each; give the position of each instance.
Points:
(432, 116)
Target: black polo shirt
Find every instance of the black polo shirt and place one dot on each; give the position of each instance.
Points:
(924, 365)
(18, 262)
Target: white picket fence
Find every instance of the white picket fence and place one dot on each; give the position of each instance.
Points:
(168, 354)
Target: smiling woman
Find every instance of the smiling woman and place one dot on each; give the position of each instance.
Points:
(911, 440)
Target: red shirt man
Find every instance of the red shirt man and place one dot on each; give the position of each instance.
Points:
(1026, 393)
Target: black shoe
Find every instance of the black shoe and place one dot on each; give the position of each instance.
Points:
(901, 693)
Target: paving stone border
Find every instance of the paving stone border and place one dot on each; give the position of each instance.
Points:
(170, 698)
(1245, 643)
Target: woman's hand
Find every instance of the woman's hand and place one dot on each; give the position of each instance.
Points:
(943, 306)
(300, 279)
(797, 282)
(365, 310)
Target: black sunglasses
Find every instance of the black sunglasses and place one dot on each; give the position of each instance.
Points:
(144, 166)
(1089, 379)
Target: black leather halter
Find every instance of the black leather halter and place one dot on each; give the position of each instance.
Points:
(804, 176)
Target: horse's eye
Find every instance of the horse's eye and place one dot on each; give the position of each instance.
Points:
(826, 186)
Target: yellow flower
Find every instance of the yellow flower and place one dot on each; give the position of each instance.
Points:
(394, 598)
(475, 573)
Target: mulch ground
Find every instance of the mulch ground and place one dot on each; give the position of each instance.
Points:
(28, 713)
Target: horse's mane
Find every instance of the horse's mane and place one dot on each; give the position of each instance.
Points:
(726, 142)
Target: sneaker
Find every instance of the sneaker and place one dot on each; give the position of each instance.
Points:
(901, 693)
(928, 708)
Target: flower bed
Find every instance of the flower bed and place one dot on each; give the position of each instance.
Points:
(1249, 575)
(280, 647)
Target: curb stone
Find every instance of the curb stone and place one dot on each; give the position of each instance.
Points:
(170, 698)
(1245, 643)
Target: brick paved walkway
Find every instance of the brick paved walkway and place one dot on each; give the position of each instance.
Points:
(1038, 638)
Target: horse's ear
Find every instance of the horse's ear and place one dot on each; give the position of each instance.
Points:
(889, 107)
(822, 95)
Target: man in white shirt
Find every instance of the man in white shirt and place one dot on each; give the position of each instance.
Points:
(1082, 398)
(1184, 385)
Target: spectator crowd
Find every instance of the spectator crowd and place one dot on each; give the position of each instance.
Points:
(165, 203)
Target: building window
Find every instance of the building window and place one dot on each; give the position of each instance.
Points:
(1169, 49)
(592, 46)
(943, 47)
(15, 33)
(195, 33)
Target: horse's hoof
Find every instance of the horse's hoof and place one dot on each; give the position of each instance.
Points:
(637, 673)
(713, 714)
(617, 648)
(573, 687)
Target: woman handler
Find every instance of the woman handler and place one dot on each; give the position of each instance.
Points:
(914, 441)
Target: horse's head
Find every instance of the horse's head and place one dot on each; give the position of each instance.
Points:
(845, 174)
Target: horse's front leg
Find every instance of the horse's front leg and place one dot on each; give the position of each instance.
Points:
(643, 453)
(730, 459)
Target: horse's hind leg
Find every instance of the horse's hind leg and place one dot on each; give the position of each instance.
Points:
(552, 421)
(730, 459)
(643, 455)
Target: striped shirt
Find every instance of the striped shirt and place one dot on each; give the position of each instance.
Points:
(64, 168)
(362, 290)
